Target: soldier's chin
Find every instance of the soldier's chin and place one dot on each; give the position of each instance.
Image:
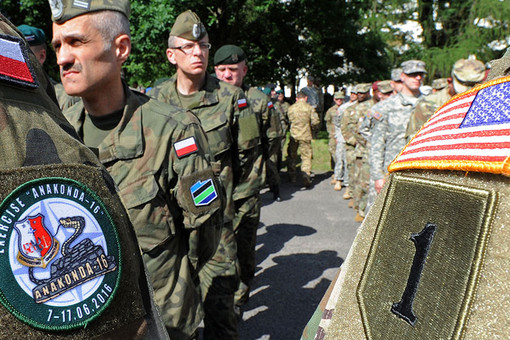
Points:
(72, 90)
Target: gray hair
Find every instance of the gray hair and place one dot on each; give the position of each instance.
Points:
(171, 41)
(110, 24)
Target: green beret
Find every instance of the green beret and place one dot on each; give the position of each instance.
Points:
(33, 35)
(228, 55)
(188, 26)
(279, 92)
(63, 10)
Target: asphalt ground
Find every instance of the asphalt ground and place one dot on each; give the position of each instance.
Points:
(301, 243)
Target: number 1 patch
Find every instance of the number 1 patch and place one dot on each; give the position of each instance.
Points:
(423, 266)
(59, 254)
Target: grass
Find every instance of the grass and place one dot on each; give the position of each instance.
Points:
(321, 158)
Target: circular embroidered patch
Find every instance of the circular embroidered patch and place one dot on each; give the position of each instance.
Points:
(59, 254)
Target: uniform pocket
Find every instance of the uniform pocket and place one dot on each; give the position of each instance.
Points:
(218, 133)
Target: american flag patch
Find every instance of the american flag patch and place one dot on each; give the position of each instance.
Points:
(185, 147)
(270, 105)
(15, 68)
(471, 132)
(241, 103)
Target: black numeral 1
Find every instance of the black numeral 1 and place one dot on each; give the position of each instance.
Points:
(422, 242)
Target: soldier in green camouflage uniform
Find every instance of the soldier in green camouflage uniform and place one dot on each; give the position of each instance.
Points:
(282, 107)
(341, 169)
(303, 119)
(39, 147)
(388, 136)
(230, 66)
(338, 98)
(234, 139)
(156, 153)
(351, 123)
(466, 73)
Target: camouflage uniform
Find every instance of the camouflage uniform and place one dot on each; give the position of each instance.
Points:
(425, 108)
(330, 127)
(282, 108)
(177, 236)
(341, 168)
(39, 146)
(388, 134)
(303, 119)
(234, 140)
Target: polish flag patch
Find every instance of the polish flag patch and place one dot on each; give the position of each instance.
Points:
(270, 105)
(241, 103)
(15, 67)
(185, 147)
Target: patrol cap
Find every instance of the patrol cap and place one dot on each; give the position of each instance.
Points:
(384, 86)
(413, 66)
(228, 55)
(439, 84)
(354, 89)
(467, 73)
(364, 87)
(33, 35)
(63, 10)
(395, 74)
(188, 26)
(339, 94)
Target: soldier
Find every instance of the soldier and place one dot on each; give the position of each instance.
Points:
(71, 267)
(156, 153)
(234, 138)
(388, 136)
(439, 84)
(282, 106)
(396, 81)
(303, 118)
(430, 260)
(230, 66)
(338, 98)
(359, 174)
(466, 73)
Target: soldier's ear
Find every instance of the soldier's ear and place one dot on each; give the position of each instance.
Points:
(122, 47)
(170, 54)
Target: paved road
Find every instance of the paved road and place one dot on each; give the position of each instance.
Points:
(302, 241)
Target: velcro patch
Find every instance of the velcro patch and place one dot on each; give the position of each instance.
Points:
(185, 147)
(15, 67)
(59, 254)
(270, 105)
(203, 192)
(242, 103)
(471, 132)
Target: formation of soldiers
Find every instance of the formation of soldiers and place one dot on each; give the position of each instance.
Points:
(368, 131)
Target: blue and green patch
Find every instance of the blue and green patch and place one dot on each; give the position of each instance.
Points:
(203, 192)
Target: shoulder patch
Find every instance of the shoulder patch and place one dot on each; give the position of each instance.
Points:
(376, 114)
(270, 105)
(203, 192)
(15, 67)
(185, 147)
(471, 132)
(59, 254)
(242, 103)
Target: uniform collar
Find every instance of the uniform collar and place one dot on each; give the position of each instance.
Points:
(208, 92)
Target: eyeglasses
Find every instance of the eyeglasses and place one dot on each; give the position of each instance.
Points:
(188, 48)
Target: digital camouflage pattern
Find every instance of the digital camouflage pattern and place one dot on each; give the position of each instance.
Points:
(388, 134)
(176, 237)
(425, 108)
(38, 142)
(330, 127)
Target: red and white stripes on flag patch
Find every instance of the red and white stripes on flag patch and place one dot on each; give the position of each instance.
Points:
(242, 103)
(185, 147)
(471, 132)
(14, 66)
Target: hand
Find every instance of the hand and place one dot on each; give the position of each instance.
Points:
(379, 184)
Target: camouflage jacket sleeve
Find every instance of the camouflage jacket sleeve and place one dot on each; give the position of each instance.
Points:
(377, 147)
(247, 135)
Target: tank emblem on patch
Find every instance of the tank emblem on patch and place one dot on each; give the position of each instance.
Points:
(15, 67)
(59, 254)
(203, 192)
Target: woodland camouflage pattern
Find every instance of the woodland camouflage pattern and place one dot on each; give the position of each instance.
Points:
(176, 237)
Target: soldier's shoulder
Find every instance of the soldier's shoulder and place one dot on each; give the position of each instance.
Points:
(158, 112)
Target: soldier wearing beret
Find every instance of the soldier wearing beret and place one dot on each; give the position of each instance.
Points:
(230, 66)
(388, 135)
(71, 268)
(234, 138)
(466, 73)
(156, 153)
(36, 40)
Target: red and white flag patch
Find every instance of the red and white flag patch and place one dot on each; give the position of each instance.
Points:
(15, 68)
(185, 147)
(270, 105)
(242, 103)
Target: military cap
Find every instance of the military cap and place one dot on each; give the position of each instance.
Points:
(63, 10)
(267, 91)
(500, 67)
(33, 35)
(354, 89)
(384, 86)
(395, 74)
(413, 66)
(439, 84)
(228, 55)
(279, 92)
(364, 87)
(339, 94)
(188, 26)
(467, 73)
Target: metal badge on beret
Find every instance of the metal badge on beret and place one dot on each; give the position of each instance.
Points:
(63, 10)
(188, 26)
